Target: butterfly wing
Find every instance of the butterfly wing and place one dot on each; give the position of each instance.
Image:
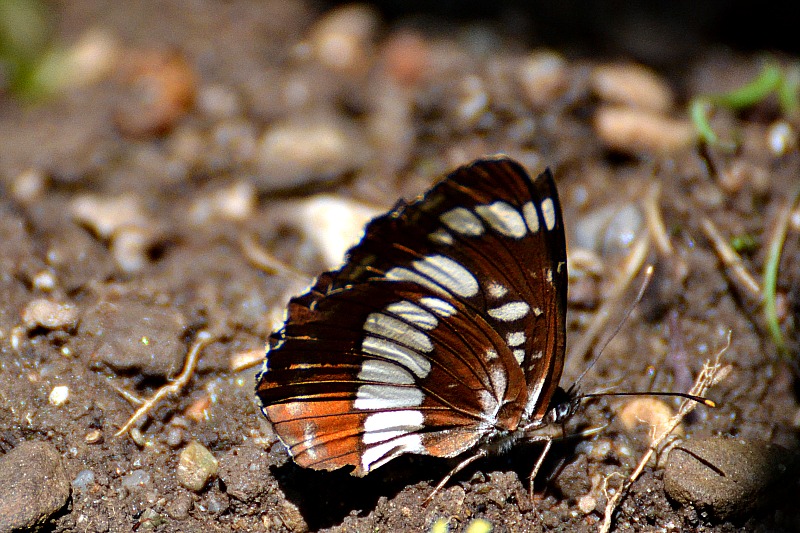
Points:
(423, 342)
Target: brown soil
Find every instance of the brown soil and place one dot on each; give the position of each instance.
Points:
(156, 142)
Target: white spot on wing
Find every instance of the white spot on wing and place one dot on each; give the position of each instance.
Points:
(509, 312)
(449, 274)
(531, 218)
(496, 290)
(309, 434)
(503, 218)
(377, 455)
(404, 274)
(412, 313)
(387, 425)
(440, 307)
(516, 338)
(385, 372)
(383, 397)
(549, 212)
(491, 354)
(441, 236)
(519, 355)
(463, 221)
(406, 357)
(397, 330)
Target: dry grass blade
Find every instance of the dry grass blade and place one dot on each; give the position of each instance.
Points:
(744, 282)
(633, 264)
(202, 340)
(655, 222)
(260, 258)
(712, 373)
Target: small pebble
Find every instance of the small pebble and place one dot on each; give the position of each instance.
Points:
(235, 203)
(332, 224)
(33, 485)
(130, 247)
(309, 149)
(136, 479)
(94, 436)
(632, 85)
(781, 138)
(129, 335)
(196, 466)
(218, 101)
(106, 215)
(544, 78)
(179, 508)
(44, 281)
(83, 480)
(653, 412)
(473, 101)
(59, 395)
(610, 229)
(28, 186)
(245, 472)
(728, 477)
(48, 314)
(342, 38)
(638, 131)
(161, 89)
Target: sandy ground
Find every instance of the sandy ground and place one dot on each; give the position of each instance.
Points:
(139, 203)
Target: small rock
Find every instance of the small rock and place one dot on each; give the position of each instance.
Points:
(638, 131)
(28, 186)
(196, 466)
(136, 479)
(129, 335)
(83, 480)
(544, 78)
(48, 314)
(342, 38)
(245, 472)
(653, 412)
(308, 149)
(179, 508)
(161, 88)
(105, 215)
(726, 477)
(332, 224)
(573, 480)
(59, 395)
(130, 248)
(632, 85)
(33, 485)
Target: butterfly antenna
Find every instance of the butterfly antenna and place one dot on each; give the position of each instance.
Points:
(648, 276)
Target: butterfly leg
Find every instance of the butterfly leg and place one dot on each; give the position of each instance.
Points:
(548, 444)
(459, 467)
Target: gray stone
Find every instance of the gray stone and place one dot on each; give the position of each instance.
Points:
(33, 485)
(725, 477)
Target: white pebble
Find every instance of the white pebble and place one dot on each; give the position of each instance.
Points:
(49, 315)
(632, 85)
(308, 149)
(105, 216)
(59, 395)
(543, 76)
(781, 137)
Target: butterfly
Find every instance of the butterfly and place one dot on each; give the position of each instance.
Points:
(442, 334)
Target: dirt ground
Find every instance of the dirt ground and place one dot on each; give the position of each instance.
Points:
(140, 203)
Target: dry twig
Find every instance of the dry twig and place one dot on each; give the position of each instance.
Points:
(202, 340)
(711, 374)
(742, 278)
(633, 264)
